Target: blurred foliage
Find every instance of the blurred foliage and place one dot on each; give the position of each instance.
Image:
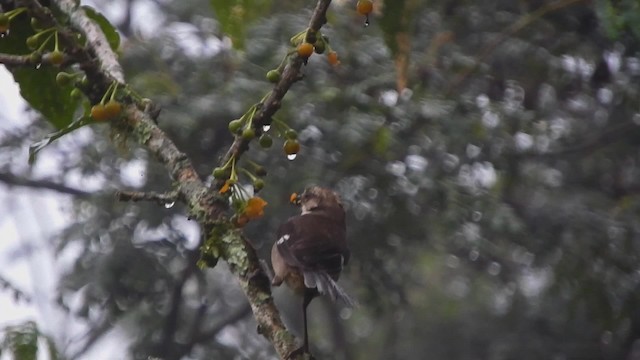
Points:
(21, 342)
(39, 88)
(235, 17)
(493, 200)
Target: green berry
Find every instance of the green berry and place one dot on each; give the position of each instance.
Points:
(56, 57)
(273, 76)
(32, 42)
(4, 19)
(265, 141)
(258, 184)
(76, 94)
(291, 134)
(64, 79)
(319, 47)
(261, 171)
(248, 133)
(35, 58)
(36, 24)
(235, 125)
(220, 173)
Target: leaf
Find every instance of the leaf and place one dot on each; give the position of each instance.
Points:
(22, 340)
(40, 90)
(35, 148)
(382, 140)
(38, 86)
(109, 30)
(235, 16)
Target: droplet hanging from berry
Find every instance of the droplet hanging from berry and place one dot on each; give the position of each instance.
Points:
(365, 7)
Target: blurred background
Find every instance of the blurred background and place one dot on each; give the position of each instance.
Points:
(487, 154)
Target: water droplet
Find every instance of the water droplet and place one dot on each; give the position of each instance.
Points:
(366, 22)
(38, 66)
(292, 156)
(169, 205)
(266, 128)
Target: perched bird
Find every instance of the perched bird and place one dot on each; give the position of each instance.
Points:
(311, 250)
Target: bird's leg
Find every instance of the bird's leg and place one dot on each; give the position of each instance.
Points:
(305, 303)
(309, 294)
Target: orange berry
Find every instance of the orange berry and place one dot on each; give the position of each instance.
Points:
(99, 113)
(332, 57)
(364, 7)
(291, 147)
(305, 50)
(113, 109)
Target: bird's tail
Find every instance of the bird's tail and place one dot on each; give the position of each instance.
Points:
(326, 285)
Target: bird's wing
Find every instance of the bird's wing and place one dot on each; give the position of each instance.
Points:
(313, 242)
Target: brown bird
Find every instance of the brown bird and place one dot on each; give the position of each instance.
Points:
(311, 250)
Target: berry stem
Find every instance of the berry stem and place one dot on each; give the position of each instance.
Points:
(46, 41)
(15, 12)
(281, 126)
(115, 89)
(298, 38)
(249, 174)
(106, 93)
(55, 46)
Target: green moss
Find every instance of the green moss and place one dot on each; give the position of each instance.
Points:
(211, 249)
(234, 251)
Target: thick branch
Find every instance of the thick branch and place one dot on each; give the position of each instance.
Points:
(205, 206)
(15, 60)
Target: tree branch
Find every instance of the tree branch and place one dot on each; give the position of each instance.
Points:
(13, 180)
(272, 103)
(99, 63)
(162, 199)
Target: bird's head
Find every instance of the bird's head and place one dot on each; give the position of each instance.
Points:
(315, 198)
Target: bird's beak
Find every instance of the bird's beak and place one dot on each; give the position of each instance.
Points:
(294, 199)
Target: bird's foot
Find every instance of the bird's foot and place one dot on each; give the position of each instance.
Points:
(300, 353)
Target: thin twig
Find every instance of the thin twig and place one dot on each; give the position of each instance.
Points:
(13, 180)
(162, 199)
(291, 74)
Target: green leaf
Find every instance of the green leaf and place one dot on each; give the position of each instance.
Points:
(235, 16)
(40, 90)
(109, 30)
(35, 148)
(22, 340)
(38, 85)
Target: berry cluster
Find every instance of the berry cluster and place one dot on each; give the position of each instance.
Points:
(309, 41)
(46, 48)
(110, 109)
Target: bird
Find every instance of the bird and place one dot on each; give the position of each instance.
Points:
(311, 251)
